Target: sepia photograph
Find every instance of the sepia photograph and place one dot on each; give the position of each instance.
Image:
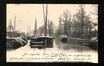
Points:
(52, 33)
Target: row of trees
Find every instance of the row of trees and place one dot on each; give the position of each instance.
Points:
(78, 25)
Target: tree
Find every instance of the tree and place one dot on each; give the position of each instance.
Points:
(41, 29)
(76, 27)
(50, 27)
(81, 24)
(64, 27)
(59, 30)
(66, 19)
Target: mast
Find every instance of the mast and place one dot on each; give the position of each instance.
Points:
(46, 17)
(35, 31)
(45, 13)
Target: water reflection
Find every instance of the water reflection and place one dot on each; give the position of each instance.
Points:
(70, 46)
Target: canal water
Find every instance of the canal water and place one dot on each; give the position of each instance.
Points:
(61, 52)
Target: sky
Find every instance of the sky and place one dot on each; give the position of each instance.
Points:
(26, 14)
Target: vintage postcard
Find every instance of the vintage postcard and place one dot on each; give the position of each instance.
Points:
(52, 33)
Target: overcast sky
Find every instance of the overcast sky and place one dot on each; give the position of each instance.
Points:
(26, 13)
